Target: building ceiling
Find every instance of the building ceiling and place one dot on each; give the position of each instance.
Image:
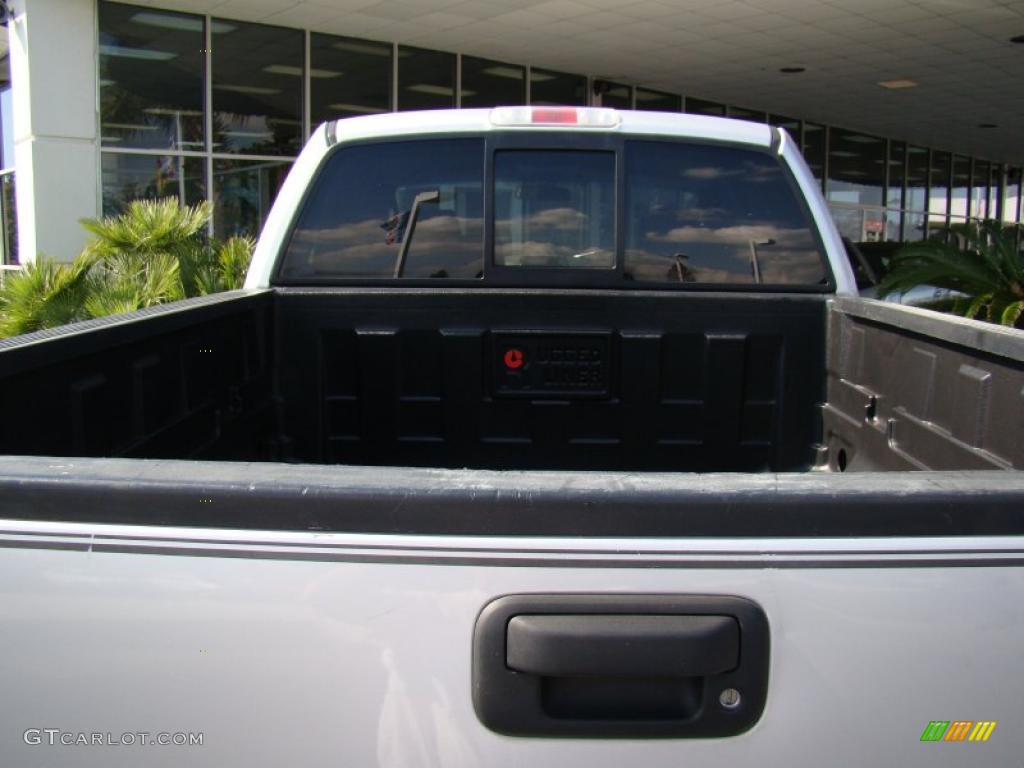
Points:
(959, 52)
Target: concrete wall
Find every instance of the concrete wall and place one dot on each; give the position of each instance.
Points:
(53, 51)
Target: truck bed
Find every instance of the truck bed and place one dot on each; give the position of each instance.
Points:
(648, 381)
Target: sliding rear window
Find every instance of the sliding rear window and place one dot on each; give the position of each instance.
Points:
(554, 209)
(634, 212)
(713, 214)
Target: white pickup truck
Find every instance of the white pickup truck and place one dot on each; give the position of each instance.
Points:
(538, 436)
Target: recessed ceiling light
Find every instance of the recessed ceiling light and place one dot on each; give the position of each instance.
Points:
(432, 90)
(367, 49)
(895, 85)
(284, 69)
(183, 23)
(168, 111)
(146, 54)
(987, 125)
(642, 95)
(131, 126)
(512, 73)
(792, 70)
(1017, 39)
(253, 90)
(363, 110)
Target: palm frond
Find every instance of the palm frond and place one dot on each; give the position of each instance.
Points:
(978, 305)
(148, 226)
(980, 261)
(1012, 314)
(43, 294)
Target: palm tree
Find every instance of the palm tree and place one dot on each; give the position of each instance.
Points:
(154, 252)
(980, 264)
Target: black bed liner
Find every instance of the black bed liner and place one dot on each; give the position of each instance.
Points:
(527, 379)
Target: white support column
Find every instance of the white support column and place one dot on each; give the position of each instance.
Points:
(54, 59)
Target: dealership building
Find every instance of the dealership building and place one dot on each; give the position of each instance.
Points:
(909, 112)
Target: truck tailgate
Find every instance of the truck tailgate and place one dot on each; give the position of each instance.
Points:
(354, 644)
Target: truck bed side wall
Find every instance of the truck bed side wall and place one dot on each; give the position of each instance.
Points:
(911, 389)
(189, 380)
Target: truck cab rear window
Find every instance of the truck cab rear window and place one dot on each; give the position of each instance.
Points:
(709, 214)
(686, 214)
(406, 209)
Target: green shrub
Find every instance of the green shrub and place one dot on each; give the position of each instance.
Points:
(980, 262)
(154, 252)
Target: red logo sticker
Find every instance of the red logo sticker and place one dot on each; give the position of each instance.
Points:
(514, 359)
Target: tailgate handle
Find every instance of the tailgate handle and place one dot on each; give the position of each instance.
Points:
(620, 665)
(624, 645)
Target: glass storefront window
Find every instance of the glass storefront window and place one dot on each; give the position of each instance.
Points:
(552, 88)
(856, 168)
(917, 179)
(426, 79)
(748, 114)
(938, 196)
(617, 96)
(151, 68)
(961, 203)
(702, 107)
(242, 192)
(488, 83)
(860, 225)
(6, 124)
(656, 101)
(893, 220)
(1012, 196)
(347, 77)
(150, 177)
(257, 88)
(995, 178)
(814, 149)
(897, 174)
(979, 191)
(913, 226)
(8, 210)
(8, 219)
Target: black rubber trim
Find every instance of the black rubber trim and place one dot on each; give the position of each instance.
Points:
(273, 496)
